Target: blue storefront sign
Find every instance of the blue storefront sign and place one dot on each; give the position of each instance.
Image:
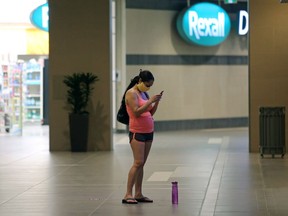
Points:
(205, 24)
(40, 17)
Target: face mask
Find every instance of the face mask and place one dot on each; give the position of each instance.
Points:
(142, 87)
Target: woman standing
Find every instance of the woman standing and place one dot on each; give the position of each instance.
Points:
(140, 108)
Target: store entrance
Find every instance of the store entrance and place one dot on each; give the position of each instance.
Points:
(22, 94)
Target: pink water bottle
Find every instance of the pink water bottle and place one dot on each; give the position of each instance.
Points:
(175, 192)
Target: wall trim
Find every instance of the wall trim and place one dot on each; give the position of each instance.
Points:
(136, 59)
(201, 124)
(179, 5)
(177, 125)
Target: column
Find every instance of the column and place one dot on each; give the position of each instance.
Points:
(80, 41)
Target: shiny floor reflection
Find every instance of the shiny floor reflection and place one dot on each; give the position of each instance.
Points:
(216, 176)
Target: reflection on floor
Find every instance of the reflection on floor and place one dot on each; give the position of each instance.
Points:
(216, 176)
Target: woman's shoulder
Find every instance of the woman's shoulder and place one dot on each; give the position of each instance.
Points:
(131, 91)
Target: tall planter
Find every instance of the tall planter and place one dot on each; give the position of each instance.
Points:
(80, 86)
(78, 124)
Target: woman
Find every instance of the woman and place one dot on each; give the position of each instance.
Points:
(140, 109)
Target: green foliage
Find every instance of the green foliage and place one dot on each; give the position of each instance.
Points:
(79, 90)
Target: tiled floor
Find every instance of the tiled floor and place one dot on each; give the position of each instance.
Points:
(216, 176)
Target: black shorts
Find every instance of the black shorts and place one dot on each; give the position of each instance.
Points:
(141, 137)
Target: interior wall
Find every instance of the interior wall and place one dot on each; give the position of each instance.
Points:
(191, 91)
(80, 42)
(268, 77)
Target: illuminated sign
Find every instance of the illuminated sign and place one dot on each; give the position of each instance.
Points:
(243, 23)
(40, 17)
(204, 24)
(230, 1)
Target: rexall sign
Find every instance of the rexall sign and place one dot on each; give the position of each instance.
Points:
(204, 24)
(40, 17)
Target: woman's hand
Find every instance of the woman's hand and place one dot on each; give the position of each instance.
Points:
(155, 98)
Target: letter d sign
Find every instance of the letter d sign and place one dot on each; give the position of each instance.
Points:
(243, 23)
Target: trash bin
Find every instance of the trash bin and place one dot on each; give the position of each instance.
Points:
(272, 131)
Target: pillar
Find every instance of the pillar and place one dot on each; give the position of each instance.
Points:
(268, 65)
(80, 41)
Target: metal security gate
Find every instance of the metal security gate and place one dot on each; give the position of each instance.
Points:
(272, 131)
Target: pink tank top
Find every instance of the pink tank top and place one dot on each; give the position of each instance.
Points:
(142, 124)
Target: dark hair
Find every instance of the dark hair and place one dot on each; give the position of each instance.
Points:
(144, 75)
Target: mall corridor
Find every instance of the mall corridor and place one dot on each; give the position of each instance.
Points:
(215, 173)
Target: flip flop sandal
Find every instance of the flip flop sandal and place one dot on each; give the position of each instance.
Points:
(129, 201)
(144, 200)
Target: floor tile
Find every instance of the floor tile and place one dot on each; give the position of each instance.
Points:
(216, 175)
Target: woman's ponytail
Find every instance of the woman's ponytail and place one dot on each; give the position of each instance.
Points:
(133, 82)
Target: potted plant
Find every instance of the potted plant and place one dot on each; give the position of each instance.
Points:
(80, 86)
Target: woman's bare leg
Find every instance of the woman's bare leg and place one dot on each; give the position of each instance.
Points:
(138, 149)
(139, 179)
